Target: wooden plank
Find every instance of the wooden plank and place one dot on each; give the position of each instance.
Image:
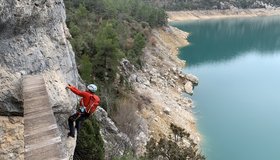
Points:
(37, 105)
(45, 153)
(38, 115)
(35, 98)
(46, 142)
(38, 122)
(35, 93)
(41, 135)
(36, 110)
(37, 131)
(33, 83)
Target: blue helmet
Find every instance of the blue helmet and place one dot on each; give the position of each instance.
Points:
(92, 88)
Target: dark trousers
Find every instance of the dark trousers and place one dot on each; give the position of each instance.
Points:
(77, 118)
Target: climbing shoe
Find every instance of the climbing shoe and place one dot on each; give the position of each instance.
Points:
(71, 135)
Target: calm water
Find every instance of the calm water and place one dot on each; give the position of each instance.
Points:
(238, 97)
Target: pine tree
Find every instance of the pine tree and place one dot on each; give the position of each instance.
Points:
(89, 142)
(108, 53)
(139, 43)
(85, 68)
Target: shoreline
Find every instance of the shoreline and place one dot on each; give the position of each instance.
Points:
(179, 16)
(161, 80)
(184, 16)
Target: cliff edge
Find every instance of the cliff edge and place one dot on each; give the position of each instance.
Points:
(33, 40)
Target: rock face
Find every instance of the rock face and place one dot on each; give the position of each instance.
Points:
(11, 138)
(188, 87)
(33, 40)
(116, 142)
(161, 85)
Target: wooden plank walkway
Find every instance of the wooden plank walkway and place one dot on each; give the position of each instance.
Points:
(41, 135)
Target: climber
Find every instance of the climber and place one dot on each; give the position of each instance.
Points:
(88, 105)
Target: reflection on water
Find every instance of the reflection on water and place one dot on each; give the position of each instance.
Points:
(237, 99)
(217, 40)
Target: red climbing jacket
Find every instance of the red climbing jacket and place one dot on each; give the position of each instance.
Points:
(89, 100)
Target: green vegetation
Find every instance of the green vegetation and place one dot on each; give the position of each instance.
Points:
(89, 142)
(103, 32)
(86, 67)
(178, 132)
(108, 53)
(171, 149)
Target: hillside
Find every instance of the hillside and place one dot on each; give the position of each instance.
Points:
(213, 4)
(127, 49)
(138, 74)
(213, 14)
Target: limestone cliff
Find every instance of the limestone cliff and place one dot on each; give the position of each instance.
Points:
(33, 40)
(161, 85)
(116, 143)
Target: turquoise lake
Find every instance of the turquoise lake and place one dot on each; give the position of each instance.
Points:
(237, 101)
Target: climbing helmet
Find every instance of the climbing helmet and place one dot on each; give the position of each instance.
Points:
(92, 88)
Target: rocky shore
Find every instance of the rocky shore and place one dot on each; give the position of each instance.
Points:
(179, 16)
(161, 85)
(174, 16)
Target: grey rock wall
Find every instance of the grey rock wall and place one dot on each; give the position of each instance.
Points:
(33, 40)
(116, 143)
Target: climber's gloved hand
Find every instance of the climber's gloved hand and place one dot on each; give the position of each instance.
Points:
(68, 86)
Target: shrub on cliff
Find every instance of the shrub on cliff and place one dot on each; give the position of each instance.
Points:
(89, 142)
(170, 149)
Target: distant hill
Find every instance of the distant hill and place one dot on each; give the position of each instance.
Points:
(213, 4)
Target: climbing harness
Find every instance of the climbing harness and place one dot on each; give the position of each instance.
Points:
(91, 103)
